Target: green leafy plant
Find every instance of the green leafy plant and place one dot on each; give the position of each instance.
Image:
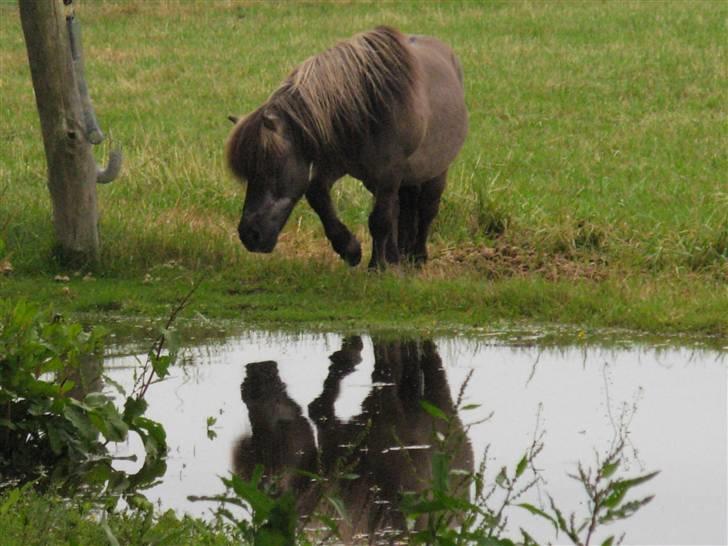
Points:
(607, 500)
(453, 518)
(39, 356)
(492, 217)
(271, 521)
(31, 518)
(459, 507)
(52, 417)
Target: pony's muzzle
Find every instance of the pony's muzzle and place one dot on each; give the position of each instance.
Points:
(259, 230)
(255, 240)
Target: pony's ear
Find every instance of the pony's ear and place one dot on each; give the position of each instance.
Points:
(271, 121)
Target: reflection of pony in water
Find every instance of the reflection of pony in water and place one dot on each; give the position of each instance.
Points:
(281, 438)
(386, 446)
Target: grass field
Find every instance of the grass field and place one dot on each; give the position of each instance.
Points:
(592, 187)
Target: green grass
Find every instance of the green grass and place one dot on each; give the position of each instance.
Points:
(32, 519)
(289, 294)
(598, 135)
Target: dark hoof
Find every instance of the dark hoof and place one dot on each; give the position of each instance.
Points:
(352, 252)
(319, 410)
(381, 266)
(345, 360)
(342, 364)
(375, 266)
(419, 260)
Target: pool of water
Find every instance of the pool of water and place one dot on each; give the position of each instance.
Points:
(287, 400)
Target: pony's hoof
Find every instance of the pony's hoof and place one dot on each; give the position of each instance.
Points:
(419, 260)
(380, 266)
(375, 265)
(352, 253)
(342, 364)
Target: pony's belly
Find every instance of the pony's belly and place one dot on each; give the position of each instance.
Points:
(435, 155)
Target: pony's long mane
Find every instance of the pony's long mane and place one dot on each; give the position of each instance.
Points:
(332, 100)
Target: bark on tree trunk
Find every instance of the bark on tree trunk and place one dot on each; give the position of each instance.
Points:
(72, 170)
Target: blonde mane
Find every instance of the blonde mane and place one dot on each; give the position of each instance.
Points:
(348, 86)
(333, 99)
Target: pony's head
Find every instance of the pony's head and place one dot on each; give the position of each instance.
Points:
(281, 438)
(263, 151)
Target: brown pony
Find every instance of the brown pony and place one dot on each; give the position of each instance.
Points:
(385, 108)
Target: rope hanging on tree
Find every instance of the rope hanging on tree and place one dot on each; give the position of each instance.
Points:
(92, 131)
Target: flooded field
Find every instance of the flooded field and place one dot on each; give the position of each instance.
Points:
(304, 400)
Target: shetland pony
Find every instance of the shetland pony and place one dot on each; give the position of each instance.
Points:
(382, 107)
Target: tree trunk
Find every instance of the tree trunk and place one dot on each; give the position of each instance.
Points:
(72, 171)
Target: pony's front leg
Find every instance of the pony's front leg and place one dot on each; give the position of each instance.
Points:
(344, 243)
(343, 362)
(383, 227)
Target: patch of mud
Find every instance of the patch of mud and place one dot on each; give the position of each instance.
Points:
(505, 261)
(501, 261)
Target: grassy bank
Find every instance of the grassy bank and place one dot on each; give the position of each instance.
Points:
(591, 189)
(32, 519)
(299, 295)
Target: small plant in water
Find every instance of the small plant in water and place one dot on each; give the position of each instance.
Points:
(607, 500)
(271, 519)
(460, 508)
(454, 519)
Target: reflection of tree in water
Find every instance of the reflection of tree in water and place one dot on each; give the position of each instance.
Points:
(368, 446)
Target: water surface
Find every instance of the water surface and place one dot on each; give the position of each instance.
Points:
(293, 400)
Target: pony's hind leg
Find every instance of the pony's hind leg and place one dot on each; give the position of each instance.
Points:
(342, 240)
(428, 205)
(383, 227)
(408, 216)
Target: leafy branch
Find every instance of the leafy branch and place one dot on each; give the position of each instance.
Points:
(606, 500)
(156, 366)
